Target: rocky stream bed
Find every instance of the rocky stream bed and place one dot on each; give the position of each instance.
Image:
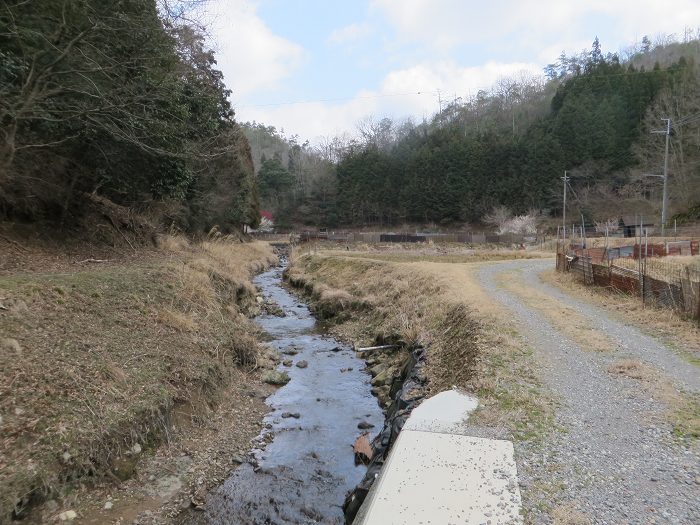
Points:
(302, 467)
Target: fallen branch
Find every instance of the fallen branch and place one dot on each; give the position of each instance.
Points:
(92, 261)
(116, 227)
(371, 348)
(14, 379)
(127, 240)
(14, 243)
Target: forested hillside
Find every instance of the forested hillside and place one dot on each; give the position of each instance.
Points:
(593, 115)
(120, 99)
(295, 180)
(123, 100)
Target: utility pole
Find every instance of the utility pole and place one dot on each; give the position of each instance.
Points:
(664, 204)
(563, 220)
(664, 198)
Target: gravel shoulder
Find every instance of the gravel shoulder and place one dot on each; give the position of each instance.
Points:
(612, 456)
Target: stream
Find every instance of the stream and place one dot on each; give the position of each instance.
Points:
(306, 467)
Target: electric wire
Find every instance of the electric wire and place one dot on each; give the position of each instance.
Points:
(341, 99)
(563, 80)
(689, 119)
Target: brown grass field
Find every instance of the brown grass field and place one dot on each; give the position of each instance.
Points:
(99, 358)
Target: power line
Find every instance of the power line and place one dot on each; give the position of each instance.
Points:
(687, 119)
(564, 79)
(573, 191)
(343, 99)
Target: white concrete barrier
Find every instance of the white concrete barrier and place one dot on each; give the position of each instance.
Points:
(437, 474)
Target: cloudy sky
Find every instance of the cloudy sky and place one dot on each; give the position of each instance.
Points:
(315, 68)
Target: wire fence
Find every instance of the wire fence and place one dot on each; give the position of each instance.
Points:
(413, 237)
(650, 274)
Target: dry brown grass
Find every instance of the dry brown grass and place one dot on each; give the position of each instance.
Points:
(669, 269)
(614, 242)
(196, 286)
(363, 284)
(107, 351)
(473, 344)
(568, 514)
(218, 271)
(173, 243)
(634, 369)
(332, 302)
(178, 320)
(683, 409)
(239, 259)
(433, 253)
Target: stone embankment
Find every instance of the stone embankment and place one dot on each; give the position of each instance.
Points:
(405, 387)
(398, 381)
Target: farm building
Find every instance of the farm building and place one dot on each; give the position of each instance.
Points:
(634, 226)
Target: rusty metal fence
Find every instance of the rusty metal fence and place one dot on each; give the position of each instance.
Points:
(664, 281)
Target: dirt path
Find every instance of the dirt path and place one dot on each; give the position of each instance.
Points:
(614, 457)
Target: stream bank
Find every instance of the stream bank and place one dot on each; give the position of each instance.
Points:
(302, 465)
(144, 355)
(407, 391)
(399, 383)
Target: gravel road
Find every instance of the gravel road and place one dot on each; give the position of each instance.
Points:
(614, 456)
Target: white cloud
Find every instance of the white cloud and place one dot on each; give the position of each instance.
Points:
(409, 92)
(249, 54)
(349, 34)
(451, 78)
(638, 17)
(315, 120)
(445, 24)
(255, 60)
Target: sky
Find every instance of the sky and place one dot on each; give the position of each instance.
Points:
(316, 68)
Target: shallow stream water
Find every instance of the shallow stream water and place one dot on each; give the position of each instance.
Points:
(304, 472)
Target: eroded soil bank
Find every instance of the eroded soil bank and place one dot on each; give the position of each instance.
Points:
(303, 464)
(125, 389)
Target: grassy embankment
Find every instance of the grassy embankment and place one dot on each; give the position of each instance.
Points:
(98, 360)
(408, 297)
